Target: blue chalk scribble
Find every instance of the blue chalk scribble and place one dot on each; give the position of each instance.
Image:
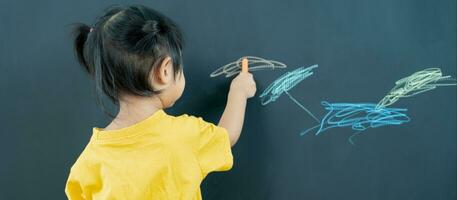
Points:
(358, 116)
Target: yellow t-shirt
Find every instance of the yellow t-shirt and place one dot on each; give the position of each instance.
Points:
(160, 157)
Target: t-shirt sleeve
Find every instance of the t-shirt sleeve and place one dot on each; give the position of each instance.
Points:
(73, 188)
(214, 150)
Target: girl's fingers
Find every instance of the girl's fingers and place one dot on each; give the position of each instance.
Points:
(244, 65)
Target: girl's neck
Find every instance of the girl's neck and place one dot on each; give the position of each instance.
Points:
(133, 109)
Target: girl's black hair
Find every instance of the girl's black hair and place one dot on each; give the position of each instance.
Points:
(125, 45)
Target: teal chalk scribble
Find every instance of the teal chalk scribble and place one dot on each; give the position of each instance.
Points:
(285, 83)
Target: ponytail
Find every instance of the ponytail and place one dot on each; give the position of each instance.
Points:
(80, 33)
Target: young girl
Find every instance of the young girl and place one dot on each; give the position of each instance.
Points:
(134, 55)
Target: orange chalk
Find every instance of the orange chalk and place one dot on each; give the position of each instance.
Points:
(244, 65)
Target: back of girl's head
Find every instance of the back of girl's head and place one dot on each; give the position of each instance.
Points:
(124, 46)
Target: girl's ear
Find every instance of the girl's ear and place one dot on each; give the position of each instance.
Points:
(164, 73)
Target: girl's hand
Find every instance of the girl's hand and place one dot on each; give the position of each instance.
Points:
(243, 84)
(241, 88)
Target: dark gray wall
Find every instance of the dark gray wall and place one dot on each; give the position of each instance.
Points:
(362, 47)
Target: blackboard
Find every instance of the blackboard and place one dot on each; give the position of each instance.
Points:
(361, 47)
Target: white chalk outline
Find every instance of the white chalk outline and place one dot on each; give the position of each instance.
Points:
(255, 64)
